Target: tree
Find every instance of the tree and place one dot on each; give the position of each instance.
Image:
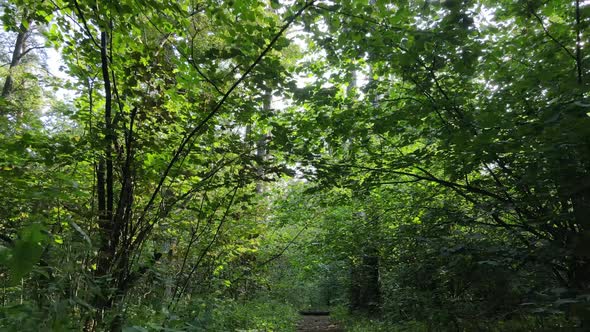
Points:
(460, 96)
(164, 94)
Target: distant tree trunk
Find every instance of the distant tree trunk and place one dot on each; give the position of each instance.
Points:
(261, 151)
(17, 55)
(365, 291)
(355, 289)
(371, 292)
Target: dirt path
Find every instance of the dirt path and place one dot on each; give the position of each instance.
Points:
(317, 324)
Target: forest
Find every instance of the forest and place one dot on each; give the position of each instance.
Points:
(211, 165)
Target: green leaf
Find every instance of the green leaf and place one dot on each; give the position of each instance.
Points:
(26, 252)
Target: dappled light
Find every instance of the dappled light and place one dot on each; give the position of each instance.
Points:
(294, 165)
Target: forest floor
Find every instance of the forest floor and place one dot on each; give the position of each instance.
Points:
(321, 323)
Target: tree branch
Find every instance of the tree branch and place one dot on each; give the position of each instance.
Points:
(540, 20)
(206, 250)
(197, 129)
(86, 27)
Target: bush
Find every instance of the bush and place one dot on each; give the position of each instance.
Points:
(214, 315)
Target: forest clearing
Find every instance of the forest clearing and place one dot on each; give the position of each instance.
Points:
(294, 165)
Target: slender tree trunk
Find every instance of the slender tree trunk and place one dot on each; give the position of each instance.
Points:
(108, 271)
(105, 175)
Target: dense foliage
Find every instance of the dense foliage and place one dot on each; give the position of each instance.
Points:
(208, 165)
